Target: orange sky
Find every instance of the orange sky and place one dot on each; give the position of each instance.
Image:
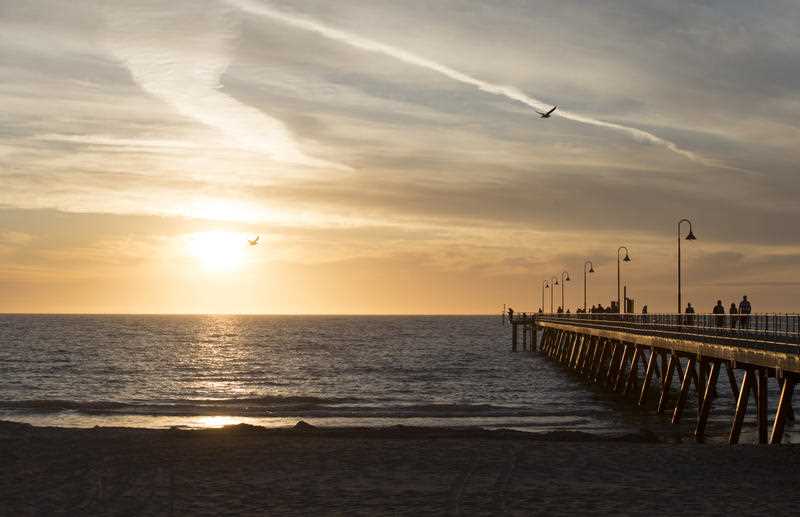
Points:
(390, 157)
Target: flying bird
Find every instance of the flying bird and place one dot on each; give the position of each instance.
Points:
(254, 241)
(547, 115)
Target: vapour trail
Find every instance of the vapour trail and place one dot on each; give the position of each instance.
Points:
(510, 92)
(184, 68)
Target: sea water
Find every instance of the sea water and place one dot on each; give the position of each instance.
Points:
(206, 371)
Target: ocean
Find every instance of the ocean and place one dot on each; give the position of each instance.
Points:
(209, 371)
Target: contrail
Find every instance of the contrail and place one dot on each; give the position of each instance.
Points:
(509, 92)
(183, 69)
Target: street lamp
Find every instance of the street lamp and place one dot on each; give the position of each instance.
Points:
(544, 286)
(619, 285)
(553, 281)
(564, 280)
(591, 270)
(689, 237)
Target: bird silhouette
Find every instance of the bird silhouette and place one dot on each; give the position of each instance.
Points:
(547, 115)
(254, 241)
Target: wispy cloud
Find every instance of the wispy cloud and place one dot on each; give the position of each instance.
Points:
(179, 56)
(510, 92)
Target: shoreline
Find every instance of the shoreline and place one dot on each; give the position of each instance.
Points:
(300, 470)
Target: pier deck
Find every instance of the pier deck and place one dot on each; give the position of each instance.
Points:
(651, 356)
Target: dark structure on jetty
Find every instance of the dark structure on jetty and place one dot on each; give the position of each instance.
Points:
(676, 351)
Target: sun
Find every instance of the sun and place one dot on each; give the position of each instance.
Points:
(218, 251)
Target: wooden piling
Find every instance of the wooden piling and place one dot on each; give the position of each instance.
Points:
(648, 375)
(685, 385)
(634, 371)
(524, 337)
(513, 337)
(782, 411)
(731, 378)
(605, 346)
(741, 407)
(705, 406)
(666, 384)
(623, 360)
(761, 404)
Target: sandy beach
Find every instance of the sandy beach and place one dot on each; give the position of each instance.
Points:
(247, 470)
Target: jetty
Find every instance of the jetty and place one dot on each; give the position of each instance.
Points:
(657, 360)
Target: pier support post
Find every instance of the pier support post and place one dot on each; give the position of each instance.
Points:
(666, 384)
(620, 373)
(741, 407)
(648, 375)
(705, 406)
(685, 384)
(761, 404)
(784, 406)
(524, 337)
(731, 378)
(605, 346)
(513, 337)
(633, 374)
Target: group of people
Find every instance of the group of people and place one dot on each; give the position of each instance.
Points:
(599, 309)
(740, 315)
(737, 316)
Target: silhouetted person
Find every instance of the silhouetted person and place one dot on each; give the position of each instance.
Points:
(719, 310)
(645, 318)
(744, 313)
(733, 311)
(689, 314)
(560, 310)
(540, 310)
(510, 315)
(567, 311)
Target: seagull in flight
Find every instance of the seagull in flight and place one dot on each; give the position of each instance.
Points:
(547, 115)
(254, 241)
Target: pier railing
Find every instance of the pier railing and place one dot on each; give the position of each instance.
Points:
(780, 327)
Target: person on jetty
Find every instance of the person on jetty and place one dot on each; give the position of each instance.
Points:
(744, 313)
(560, 310)
(689, 314)
(510, 315)
(644, 314)
(733, 311)
(719, 310)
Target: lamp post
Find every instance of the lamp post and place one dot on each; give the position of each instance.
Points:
(564, 280)
(553, 281)
(619, 285)
(544, 286)
(689, 237)
(591, 270)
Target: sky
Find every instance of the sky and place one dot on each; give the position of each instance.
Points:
(390, 157)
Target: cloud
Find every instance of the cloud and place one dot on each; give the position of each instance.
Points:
(509, 92)
(179, 55)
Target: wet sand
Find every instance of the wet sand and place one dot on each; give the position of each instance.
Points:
(397, 471)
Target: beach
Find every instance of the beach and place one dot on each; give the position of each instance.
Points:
(304, 470)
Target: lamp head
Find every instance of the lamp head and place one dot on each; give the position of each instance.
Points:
(547, 286)
(556, 282)
(691, 236)
(567, 279)
(627, 258)
(591, 270)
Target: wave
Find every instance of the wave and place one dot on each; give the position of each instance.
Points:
(284, 406)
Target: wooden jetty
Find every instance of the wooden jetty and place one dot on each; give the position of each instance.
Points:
(677, 353)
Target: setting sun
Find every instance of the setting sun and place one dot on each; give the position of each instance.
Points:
(218, 251)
